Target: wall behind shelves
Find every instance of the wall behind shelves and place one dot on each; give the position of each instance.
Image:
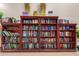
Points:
(63, 10)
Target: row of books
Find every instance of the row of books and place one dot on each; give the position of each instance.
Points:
(42, 34)
(66, 40)
(33, 27)
(30, 40)
(10, 20)
(11, 40)
(48, 40)
(48, 21)
(30, 33)
(42, 40)
(66, 33)
(32, 45)
(47, 34)
(61, 21)
(66, 28)
(48, 28)
(10, 46)
(42, 20)
(66, 45)
(8, 33)
(30, 21)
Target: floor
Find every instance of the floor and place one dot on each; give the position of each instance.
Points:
(40, 54)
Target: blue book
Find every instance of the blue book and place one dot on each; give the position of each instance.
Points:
(27, 34)
(26, 45)
(27, 40)
(49, 27)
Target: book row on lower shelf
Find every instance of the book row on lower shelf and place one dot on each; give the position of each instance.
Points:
(69, 45)
(66, 40)
(66, 33)
(10, 46)
(32, 45)
(35, 33)
(34, 27)
(42, 20)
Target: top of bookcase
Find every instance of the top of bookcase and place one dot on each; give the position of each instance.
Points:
(54, 17)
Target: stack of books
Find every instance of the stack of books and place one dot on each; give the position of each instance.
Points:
(48, 21)
(30, 21)
(48, 28)
(30, 33)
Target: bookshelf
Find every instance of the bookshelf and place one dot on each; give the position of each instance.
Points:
(43, 34)
(11, 36)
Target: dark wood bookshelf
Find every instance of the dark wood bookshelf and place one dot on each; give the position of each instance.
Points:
(40, 34)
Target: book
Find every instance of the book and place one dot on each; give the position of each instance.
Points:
(26, 45)
(42, 46)
(55, 45)
(67, 33)
(42, 20)
(64, 45)
(62, 34)
(31, 45)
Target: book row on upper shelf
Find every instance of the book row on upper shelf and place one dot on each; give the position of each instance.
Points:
(32, 45)
(66, 28)
(42, 20)
(42, 40)
(33, 27)
(63, 21)
(66, 40)
(10, 20)
(30, 27)
(42, 34)
(67, 33)
(10, 28)
(66, 45)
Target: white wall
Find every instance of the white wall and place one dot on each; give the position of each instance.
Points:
(63, 10)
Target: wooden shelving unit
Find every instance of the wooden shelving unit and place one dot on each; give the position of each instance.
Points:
(42, 34)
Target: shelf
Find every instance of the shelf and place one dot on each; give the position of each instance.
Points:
(28, 17)
(47, 37)
(29, 42)
(48, 24)
(29, 23)
(13, 30)
(70, 24)
(66, 30)
(48, 30)
(11, 43)
(29, 30)
(11, 24)
(67, 36)
(39, 50)
(68, 43)
(10, 36)
(30, 37)
(45, 30)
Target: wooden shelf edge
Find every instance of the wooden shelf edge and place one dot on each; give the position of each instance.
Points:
(41, 50)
